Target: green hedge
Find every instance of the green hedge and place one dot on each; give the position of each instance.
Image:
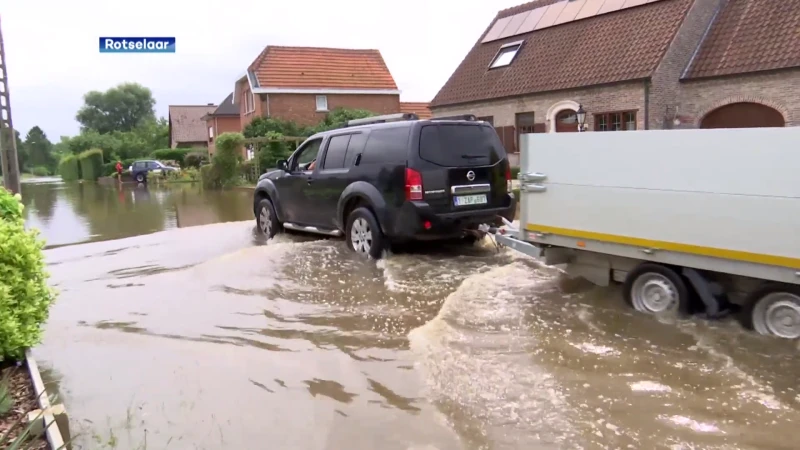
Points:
(209, 177)
(69, 169)
(25, 296)
(195, 159)
(40, 171)
(514, 173)
(172, 154)
(111, 167)
(91, 162)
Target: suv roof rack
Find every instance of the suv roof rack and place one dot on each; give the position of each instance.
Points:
(382, 119)
(467, 117)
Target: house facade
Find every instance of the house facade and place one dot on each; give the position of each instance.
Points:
(224, 119)
(187, 125)
(303, 84)
(631, 65)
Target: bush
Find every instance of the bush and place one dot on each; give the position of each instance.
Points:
(91, 162)
(69, 169)
(172, 154)
(209, 176)
(195, 159)
(514, 173)
(40, 171)
(25, 297)
(226, 159)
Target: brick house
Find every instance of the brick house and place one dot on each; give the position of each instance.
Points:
(421, 109)
(224, 119)
(303, 84)
(631, 64)
(187, 125)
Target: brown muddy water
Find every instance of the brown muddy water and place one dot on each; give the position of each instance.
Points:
(207, 337)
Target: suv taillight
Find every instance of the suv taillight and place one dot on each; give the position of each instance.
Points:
(509, 185)
(413, 185)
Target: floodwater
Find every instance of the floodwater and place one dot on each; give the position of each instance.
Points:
(208, 337)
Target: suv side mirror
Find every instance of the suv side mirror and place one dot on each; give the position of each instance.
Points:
(283, 165)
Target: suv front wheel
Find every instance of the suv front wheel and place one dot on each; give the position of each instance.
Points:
(364, 234)
(267, 219)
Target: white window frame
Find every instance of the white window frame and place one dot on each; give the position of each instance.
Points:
(503, 50)
(323, 108)
(211, 132)
(249, 102)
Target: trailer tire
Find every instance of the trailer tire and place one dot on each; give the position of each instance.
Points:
(773, 310)
(655, 289)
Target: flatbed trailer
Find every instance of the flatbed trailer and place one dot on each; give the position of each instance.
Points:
(689, 221)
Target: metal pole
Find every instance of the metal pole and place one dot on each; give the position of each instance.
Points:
(8, 150)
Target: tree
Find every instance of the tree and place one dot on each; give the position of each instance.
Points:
(39, 149)
(121, 108)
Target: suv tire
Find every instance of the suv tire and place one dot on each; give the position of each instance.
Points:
(140, 177)
(363, 233)
(266, 219)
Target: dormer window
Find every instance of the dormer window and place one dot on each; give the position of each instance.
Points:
(505, 55)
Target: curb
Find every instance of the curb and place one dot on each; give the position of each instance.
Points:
(53, 433)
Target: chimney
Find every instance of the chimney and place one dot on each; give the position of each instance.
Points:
(210, 104)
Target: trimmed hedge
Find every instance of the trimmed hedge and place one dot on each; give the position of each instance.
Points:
(91, 162)
(40, 171)
(172, 154)
(69, 169)
(111, 167)
(195, 159)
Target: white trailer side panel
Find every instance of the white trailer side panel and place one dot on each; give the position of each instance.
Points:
(728, 193)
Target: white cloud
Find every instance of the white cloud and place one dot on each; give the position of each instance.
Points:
(53, 58)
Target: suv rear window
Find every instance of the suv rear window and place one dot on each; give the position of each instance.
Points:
(387, 145)
(460, 145)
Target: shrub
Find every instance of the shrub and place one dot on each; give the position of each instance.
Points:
(172, 154)
(226, 159)
(195, 159)
(209, 176)
(40, 171)
(69, 169)
(270, 153)
(25, 297)
(91, 162)
(514, 173)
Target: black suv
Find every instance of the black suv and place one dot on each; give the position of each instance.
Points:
(388, 180)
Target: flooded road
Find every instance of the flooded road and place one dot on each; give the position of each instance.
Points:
(71, 213)
(208, 337)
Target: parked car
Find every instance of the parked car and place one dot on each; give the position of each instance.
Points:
(388, 180)
(140, 169)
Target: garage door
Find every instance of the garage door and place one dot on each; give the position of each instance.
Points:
(743, 115)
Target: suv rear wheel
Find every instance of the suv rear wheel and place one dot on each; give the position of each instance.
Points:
(364, 234)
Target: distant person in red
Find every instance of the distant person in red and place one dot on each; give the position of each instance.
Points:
(119, 171)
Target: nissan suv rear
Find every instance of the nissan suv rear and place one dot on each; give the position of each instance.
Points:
(390, 179)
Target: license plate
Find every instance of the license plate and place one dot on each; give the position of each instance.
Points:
(466, 200)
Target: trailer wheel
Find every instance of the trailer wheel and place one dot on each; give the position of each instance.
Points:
(774, 310)
(656, 289)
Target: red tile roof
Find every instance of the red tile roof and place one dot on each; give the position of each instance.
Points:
(750, 36)
(422, 110)
(617, 46)
(313, 67)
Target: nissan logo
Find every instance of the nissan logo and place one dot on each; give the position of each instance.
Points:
(470, 175)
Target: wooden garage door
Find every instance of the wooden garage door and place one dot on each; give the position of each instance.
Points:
(743, 115)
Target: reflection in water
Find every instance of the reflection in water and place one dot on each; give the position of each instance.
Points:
(69, 213)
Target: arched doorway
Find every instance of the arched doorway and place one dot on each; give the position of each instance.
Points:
(743, 115)
(567, 121)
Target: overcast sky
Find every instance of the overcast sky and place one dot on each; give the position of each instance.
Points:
(53, 58)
